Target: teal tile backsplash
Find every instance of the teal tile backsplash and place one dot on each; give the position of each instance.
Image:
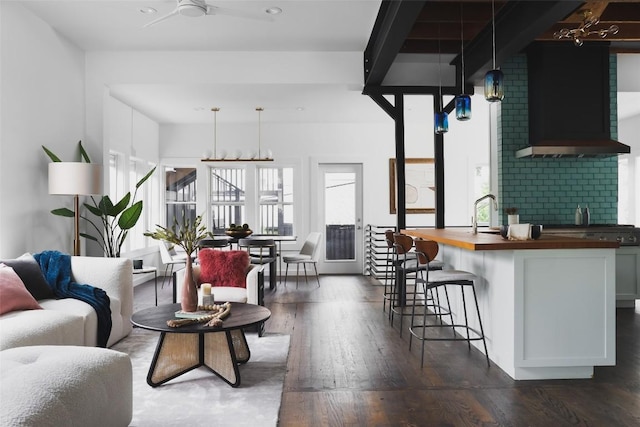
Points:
(547, 191)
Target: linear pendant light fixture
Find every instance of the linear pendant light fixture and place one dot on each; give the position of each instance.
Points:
(440, 118)
(463, 101)
(223, 157)
(494, 79)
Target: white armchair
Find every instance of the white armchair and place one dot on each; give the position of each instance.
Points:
(252, 293)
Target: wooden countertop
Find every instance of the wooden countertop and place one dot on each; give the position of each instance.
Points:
(463, 238)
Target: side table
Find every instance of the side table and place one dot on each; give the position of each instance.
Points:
(145, 270)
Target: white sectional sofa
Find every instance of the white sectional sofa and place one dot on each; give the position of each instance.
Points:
(70, 321)
(51, 374)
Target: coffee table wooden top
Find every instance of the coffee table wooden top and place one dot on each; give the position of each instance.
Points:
(241, 316)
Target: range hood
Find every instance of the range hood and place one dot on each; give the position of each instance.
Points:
(569, 148)
(569, 102)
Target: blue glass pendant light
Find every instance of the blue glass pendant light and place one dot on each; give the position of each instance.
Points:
(441, 122)
(463, 101)
(494, 86)
(463, 107)
(494, 79)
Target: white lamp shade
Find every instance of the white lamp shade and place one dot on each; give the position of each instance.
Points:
(75, 178)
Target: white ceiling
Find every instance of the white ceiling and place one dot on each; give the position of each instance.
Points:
(303, 26)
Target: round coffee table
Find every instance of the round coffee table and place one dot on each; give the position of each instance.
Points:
(182, 349)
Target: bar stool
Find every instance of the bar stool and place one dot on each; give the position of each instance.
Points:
(426, 251)
(431, 280)
(405, 263)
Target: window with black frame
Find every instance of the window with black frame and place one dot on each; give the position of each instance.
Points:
(180, 194)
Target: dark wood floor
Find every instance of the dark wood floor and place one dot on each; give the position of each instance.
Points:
(348, 367)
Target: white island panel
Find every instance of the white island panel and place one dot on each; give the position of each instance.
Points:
(568, 308)
(546, 313)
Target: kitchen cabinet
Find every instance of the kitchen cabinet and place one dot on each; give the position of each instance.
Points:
(548, 305)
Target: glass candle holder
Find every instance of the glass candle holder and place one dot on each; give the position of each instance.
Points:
(494, 86)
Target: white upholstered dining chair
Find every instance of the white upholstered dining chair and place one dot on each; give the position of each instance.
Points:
(307, 255)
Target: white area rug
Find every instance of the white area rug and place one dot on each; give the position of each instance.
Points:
(199, 397)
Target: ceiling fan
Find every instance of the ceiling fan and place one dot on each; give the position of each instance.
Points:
(197, 8)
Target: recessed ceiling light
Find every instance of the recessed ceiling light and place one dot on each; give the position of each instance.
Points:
(300, 108)
(147, 10)
(273, 10)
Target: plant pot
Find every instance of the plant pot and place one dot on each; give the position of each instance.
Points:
(513, 219)
(189, 299)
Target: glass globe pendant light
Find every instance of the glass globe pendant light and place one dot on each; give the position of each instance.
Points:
(463, 101)
(494, 79)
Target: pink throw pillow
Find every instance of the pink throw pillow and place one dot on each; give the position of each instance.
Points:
(13, 294)
(223, 268)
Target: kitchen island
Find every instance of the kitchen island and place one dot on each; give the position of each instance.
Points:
(547, 305)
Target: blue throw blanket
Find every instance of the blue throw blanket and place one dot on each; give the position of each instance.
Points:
(56, 267)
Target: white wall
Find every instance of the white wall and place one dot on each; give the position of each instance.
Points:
(629, 133)
(42, 86)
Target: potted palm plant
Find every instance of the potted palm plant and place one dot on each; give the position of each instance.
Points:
(185, 235)
(112, 220)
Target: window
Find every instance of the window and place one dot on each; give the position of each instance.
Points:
(180, 194)
(148, 194)
(228, 188)
(268, 207)
(481, 187)
(123, 180)
(275, 192)
(623, 185)
(116, 176)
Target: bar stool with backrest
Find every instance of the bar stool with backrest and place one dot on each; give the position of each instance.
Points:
(426, 251)
(427, 280)
(405, 264)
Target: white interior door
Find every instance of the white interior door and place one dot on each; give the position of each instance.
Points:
(340, 217)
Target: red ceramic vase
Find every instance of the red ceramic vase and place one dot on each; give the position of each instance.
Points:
(189, 299)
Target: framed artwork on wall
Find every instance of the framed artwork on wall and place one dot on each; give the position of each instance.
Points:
(420, 186)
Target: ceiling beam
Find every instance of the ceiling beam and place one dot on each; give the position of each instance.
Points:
(393, 23)
(518, 23)
(410, 90)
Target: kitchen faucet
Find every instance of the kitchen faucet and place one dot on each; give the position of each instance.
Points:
(475, 210)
